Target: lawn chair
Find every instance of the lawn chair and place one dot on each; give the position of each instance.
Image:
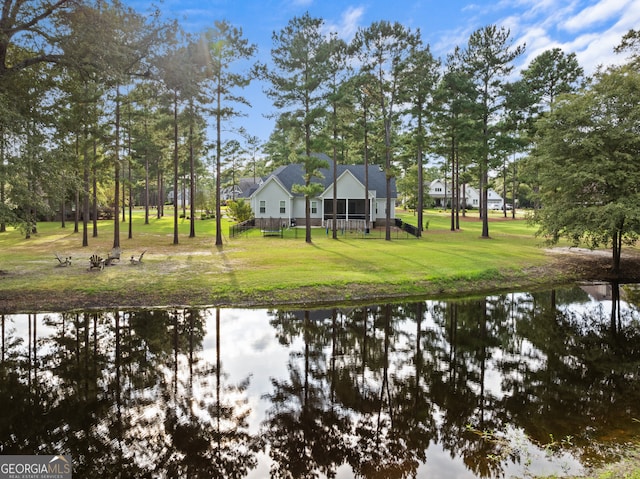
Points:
(96, 262)
(63, 262)
(112, 256)
(139, 259)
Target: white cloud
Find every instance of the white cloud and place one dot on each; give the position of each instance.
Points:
(511, 23)
(595, 47)
(596, 14)
(472, 7)
(591, 33)
(446, 41)
(537, 40)
(349, 23)
(537, 7)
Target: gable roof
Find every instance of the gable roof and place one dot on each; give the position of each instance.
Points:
(270, 179)
(293, 174)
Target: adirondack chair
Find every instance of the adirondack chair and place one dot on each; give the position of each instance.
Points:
(138, 260)
(96, 262)
(113, 255)
(63, 262)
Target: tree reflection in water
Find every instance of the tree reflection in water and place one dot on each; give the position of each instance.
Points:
(366, 389)
(126, 395)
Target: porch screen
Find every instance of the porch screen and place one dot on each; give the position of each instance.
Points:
(347, 209)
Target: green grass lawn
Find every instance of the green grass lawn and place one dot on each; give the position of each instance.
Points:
(251, 269)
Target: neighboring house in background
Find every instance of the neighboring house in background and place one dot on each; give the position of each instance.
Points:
(184, 196)
(234, 192)
(441, 194)
(273, 199)
(230, 193)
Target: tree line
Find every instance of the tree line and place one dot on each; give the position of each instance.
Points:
(101, 102)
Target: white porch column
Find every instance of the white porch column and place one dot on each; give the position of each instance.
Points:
(372, 212)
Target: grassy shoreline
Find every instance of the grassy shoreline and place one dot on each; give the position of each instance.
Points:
(257, 271)
(628, 467)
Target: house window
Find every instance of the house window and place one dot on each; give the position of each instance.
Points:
(283, 208)
(438, 189)
(314, 207)
(263, 206)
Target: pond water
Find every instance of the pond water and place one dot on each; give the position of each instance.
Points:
(499, 386)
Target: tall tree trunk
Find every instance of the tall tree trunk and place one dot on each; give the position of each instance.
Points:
(458, 199)
(335, 175)
(616, 250)
(85, 188)
(160, 199)
(218, 162)
(63, 207)
(124, 193)
(464, 197)
(484, 173)
(94, 193)
(514, 190)
(175, 167)
(453, 183)
(130, 197)
(484, 198)
(504, 187)
(129, 184)
(116, 175)
(307, 151)
(3, 224)
(184, 194)
(420, 205)
(146, 178)
(367, 206)
(387, 174)
(78, 208)
(76, 197)
(192, 184)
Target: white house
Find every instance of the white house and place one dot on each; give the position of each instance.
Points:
(274, 202)
(440, 192)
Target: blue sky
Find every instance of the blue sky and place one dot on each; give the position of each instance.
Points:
(589, 28)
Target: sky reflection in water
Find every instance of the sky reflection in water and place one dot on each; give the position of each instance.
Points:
(382, 391)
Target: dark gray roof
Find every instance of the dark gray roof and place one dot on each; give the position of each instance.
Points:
(249, 191)
(245, 183)
(293, 174)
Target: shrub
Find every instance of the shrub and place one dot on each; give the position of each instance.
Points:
(239, 210)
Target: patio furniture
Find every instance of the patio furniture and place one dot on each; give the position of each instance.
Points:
(139, 259)
(63, 262)
(96, 261)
